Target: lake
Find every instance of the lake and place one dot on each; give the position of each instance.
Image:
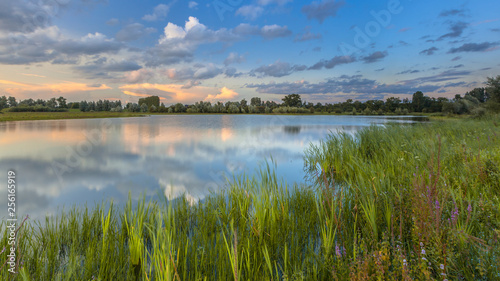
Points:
(63, 163)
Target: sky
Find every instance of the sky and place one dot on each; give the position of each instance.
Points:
(229, 50)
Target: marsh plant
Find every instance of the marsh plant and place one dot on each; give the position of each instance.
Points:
(400, 202)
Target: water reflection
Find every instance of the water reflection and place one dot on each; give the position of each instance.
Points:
(73, 162)
(291, 129)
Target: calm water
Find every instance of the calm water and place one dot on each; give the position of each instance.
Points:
(73, 162)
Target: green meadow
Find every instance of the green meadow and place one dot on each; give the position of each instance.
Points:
(399, 202)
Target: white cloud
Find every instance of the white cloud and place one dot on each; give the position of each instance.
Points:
(159, 13)
(178, 44)
(234, 58)
(139, 76)
(192, 5)
(250, 12)
(274, 31)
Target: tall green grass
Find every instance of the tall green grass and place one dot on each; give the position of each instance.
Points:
(393, 203)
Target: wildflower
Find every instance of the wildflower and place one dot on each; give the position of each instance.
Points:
(424, 259)
(469, 208)
(437, 205)
(421, 244)
(441, 266)
(423, 251)
(337, 250)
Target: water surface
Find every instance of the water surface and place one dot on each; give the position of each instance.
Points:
(73, 162)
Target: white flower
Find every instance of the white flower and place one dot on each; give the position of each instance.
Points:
(423, 252)
(442, 266)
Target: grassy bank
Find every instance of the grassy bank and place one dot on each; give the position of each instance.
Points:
(5, 115)
(413, 202)
(71, 114)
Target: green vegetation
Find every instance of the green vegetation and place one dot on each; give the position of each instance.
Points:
(402, 202)
(71, 114)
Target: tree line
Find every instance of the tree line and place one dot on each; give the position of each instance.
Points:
(477, 101)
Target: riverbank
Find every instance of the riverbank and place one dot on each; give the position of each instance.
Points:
(71, 114)
(77, 114)
(394, 203)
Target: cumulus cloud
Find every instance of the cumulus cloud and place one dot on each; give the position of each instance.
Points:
(47, 44)
(133, 32)
(91, 44)
(101, 68)
(197, 72)
(224, 95)
(375, 57)
(250, 12)
(429, 51)
(322, 10)
(473, 47)
(24, 16)
(192, 5)
(159, 13)
(331, 63)
(278, 69)
(234, 58)
(178, 43)
(275, 31)
(139, 76)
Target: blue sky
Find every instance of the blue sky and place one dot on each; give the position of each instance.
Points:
(187, 51)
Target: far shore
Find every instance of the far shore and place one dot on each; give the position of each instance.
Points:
(77, 114)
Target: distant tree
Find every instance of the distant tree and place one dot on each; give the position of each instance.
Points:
(52, 103)
(493, 89)
(149, 101)
(418, 101)
(179, 108)
(62, 102)
(3, 102)
(106, 105)
(255, 101)
(83, 106)
(144, 107)
(479, 93)
(292, 100)
(12, 101)
(152, 108)
(392, 103)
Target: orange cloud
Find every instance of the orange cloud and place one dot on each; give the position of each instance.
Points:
(173, 92)
(134, 94)
(24, 90)
(225, 94)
